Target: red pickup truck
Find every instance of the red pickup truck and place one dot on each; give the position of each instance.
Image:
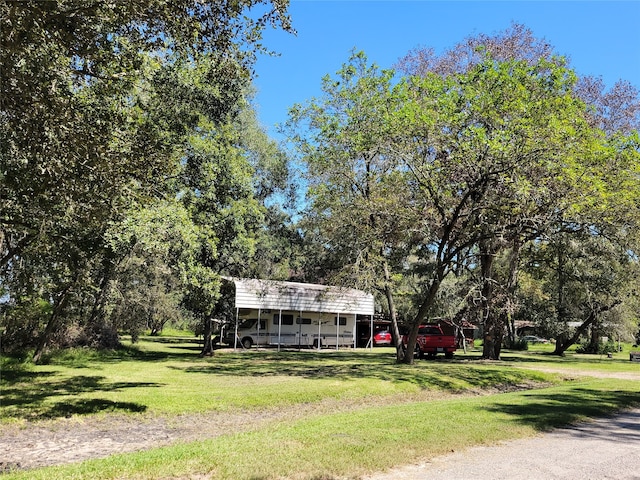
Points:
(432, 341)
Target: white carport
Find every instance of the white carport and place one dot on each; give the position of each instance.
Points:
(306, 300)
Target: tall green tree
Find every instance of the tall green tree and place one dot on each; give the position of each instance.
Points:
(615, 112)
(587, 281)
(232, 181)
(98, 100)
(453, 161)
(482, 146)
(157, 248)
(278, 248)
(70, 120)
(356, 193)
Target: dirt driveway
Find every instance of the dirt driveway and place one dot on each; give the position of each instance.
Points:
(607, 448)
(69, 440)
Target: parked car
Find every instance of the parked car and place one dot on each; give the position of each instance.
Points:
(382, 337)
(534, 339)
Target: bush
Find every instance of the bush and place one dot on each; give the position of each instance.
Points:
(601, 349)
(520, 344)
(22, 323)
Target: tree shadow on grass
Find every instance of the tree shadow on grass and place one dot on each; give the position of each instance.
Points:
(33, 392)
(90, 406)
(89, 358)
(169, 340)
(191, 349)
(544, 410)
(345, 366)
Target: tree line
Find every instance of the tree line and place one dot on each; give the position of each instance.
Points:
(134, 171)
(489, 184)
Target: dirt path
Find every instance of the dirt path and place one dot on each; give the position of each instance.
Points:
(73, 440)
(591, 373)
(67, 440)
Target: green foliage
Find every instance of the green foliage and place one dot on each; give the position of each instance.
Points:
(20, 320)
(358, 220)
(601, 348)
(99, 103)
(520, 345)
(158, 246)
(578, 272)
(454, 170)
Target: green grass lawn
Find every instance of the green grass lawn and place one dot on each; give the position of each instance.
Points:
(419, 411)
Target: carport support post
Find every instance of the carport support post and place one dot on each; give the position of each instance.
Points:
(338, 331)
(299, 320)
(300, 330)
(371, 335)
(258, 330)
(319, 329)
(355, 331)
(235, 337)
(279, 327)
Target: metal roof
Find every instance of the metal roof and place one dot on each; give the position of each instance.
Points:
(308, 297)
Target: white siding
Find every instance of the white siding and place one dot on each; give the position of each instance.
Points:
(301, 297)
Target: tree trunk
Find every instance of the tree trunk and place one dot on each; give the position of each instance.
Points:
(499, 336)
(421, 315)
(97, 311)
(490, 340)
(12, 252)
(596, 336)
(512, 285)
(400, 353)
(560, 307)
(412, 339)
(492, 334)
(563, 343)
(458, 322)
(207, 348)
(52, 324)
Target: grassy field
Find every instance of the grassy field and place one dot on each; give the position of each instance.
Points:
(368, 414)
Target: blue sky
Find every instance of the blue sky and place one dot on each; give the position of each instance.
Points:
(601, 38)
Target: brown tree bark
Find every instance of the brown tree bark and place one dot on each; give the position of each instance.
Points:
(52, 324)
(492, 332)
(207, 347)
(400, 353)
(563, 343)
(420, 317)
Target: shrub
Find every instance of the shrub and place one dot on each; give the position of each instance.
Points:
(601, 348)
(520, 344)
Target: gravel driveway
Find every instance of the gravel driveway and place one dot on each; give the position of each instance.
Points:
(607, 448)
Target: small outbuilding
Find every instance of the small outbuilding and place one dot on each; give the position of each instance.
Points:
(271, 312)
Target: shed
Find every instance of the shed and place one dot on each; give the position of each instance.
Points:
(271, 312)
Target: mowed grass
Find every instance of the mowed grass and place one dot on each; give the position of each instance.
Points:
(166, 376)
(423, 410)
